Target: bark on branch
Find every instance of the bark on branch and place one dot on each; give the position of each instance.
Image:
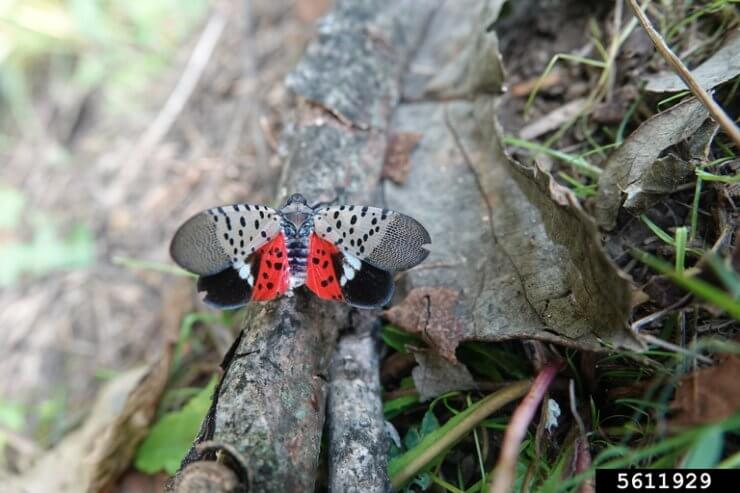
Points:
(358, 450)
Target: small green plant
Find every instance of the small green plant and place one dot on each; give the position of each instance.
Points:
(432, 447)
(12, 415)
(413, 437)
(172, 435)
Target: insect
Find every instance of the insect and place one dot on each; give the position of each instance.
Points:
(348, 253)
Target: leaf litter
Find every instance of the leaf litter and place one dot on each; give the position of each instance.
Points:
(435, 375)
(625, 170)
(522, 264)
(721, 67)
(654, 168)
(708, 395)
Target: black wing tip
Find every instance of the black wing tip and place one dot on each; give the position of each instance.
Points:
(379, 304)
(371, 287)
(175, 245)
(225, 290)
(416, 239)
(218, 306)
(425, 236)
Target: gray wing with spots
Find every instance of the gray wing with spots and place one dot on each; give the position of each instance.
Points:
(383, 238)
(217, 238)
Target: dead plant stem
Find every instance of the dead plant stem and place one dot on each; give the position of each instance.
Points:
(722, 118)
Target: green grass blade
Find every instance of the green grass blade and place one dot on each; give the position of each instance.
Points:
(399, 339)
(732, 462)
(550, 66)
(404, 467)
(728, 179)
(582, 191)
(577, 162)
(706, 451)
(133, 263)
(395, 406)
(444, 484)
(696, 286)
(695, 208)
(681, 237)
(666, 238)
(728, 277)
(657, 231)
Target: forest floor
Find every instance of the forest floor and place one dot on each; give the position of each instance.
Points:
(98, 173)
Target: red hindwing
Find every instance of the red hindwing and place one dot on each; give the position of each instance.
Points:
(272, 276)
(321, 276)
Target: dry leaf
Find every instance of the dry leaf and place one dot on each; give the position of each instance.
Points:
(435, 375)
(601, 292)
(430, 312)
(700, 144)
(464, 64)
(640, 151)
(524, 261)
(553, 120)
(664, 176)
(708, 395)
(478, 69)
(720, 67)
(93, 456)
(522, 89)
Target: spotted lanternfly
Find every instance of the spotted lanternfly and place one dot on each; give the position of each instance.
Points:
(345, 253)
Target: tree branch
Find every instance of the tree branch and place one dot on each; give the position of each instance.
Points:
(358, 449)
(267, 415)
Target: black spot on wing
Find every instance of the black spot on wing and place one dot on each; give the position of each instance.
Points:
(225, 290)
(370, 288)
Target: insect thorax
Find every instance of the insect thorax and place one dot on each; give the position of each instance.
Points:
(297, 228)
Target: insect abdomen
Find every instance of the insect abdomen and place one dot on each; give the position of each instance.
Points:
(297, 257)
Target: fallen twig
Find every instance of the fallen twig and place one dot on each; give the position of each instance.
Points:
(701, 94)
(358, 449)
(650, 339)
(653, 317)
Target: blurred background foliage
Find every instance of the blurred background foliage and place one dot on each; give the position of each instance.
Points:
(114, 46)
(52, 51)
